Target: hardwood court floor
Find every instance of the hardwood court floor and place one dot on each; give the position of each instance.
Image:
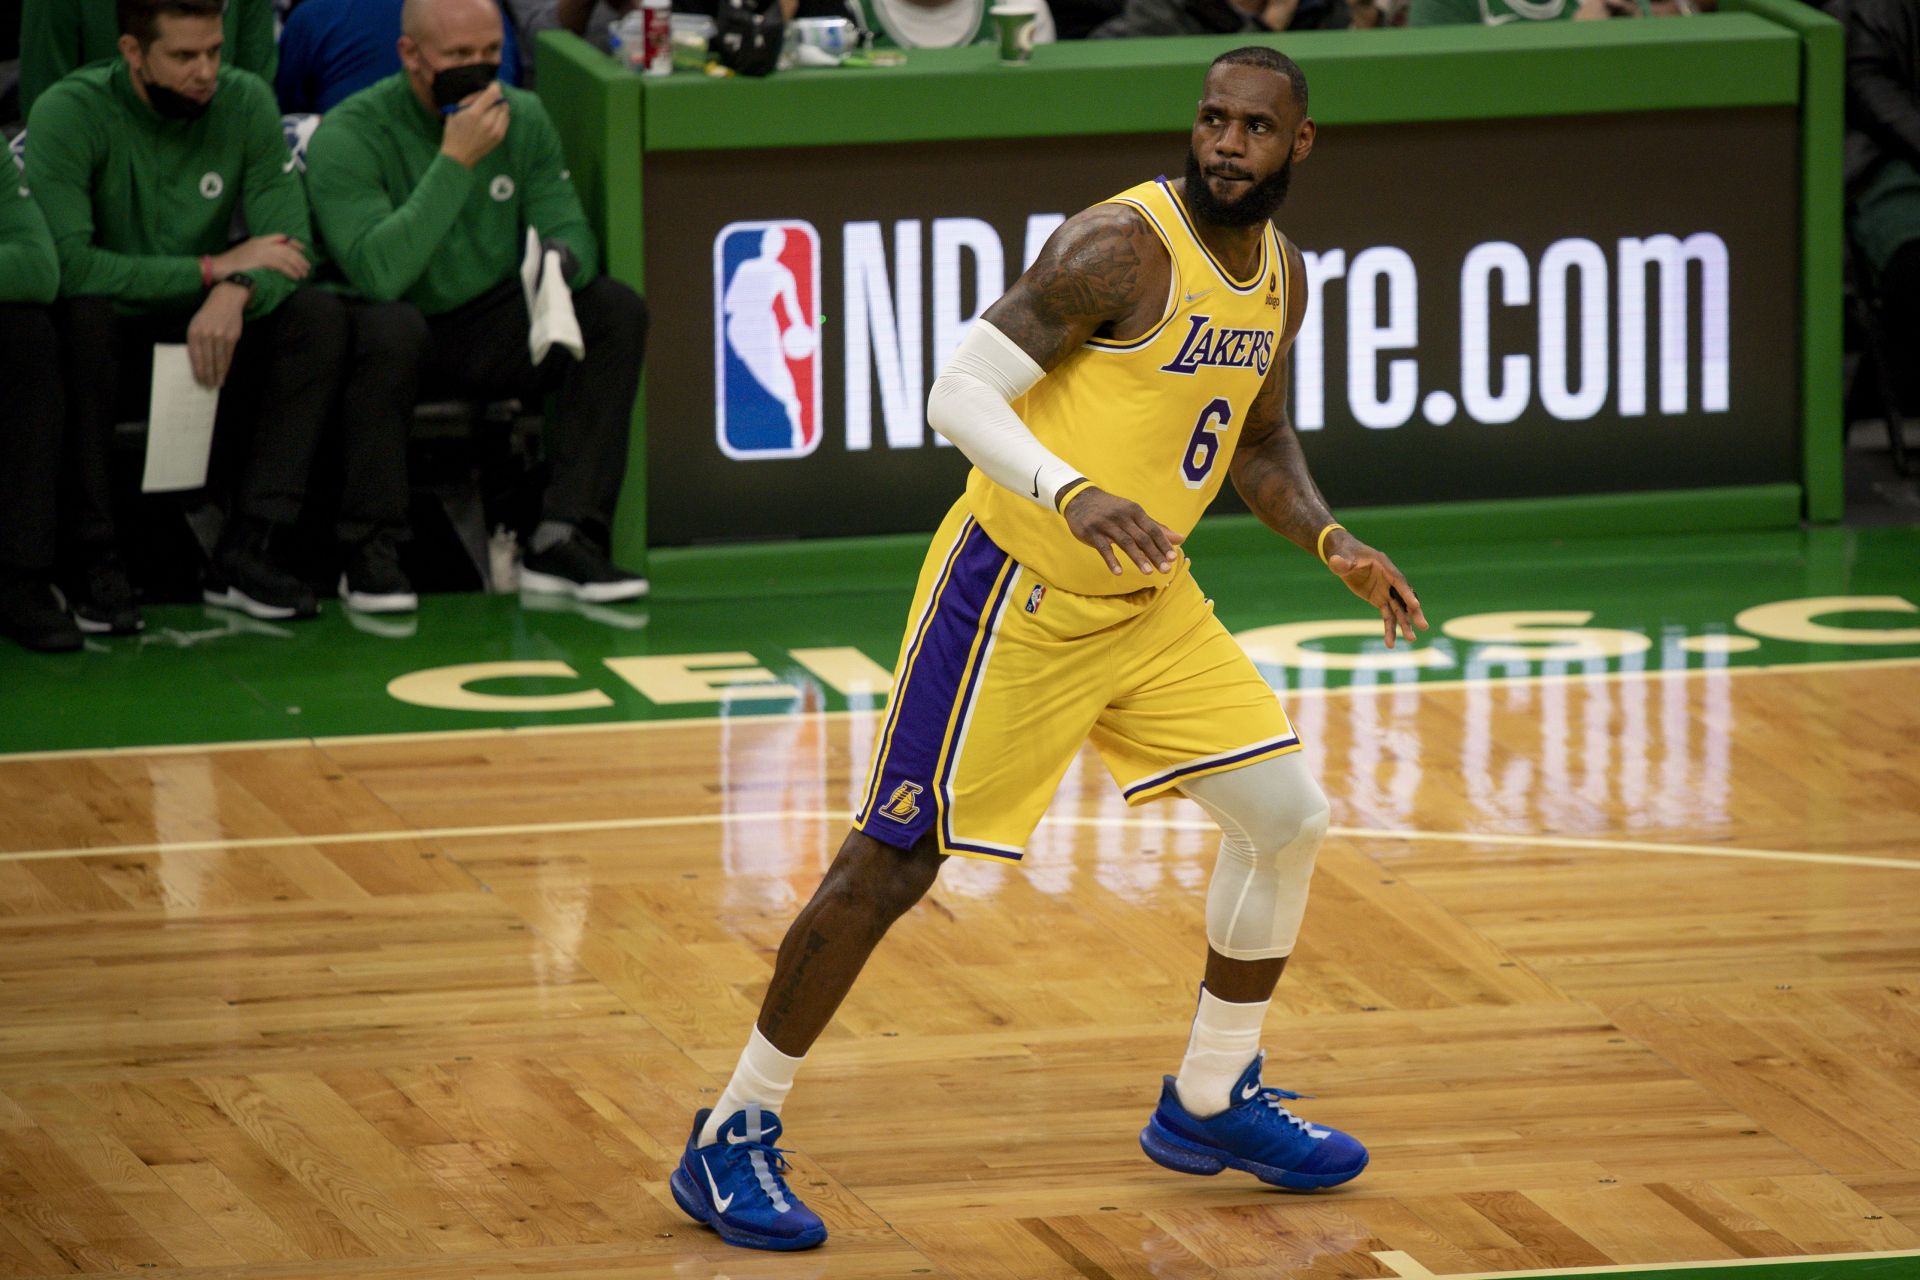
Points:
(1608, 972)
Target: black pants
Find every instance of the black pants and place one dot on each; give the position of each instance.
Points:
(279, 391)
(1899, 288)
(30, 430)
(479, 351)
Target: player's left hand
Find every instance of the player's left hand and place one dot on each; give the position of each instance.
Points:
(1370, 575)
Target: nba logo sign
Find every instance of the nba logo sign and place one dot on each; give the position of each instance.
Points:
(766, 339)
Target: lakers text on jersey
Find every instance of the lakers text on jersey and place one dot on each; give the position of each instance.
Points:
(1154, 418)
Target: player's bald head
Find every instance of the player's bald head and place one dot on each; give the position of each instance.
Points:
(433, 20)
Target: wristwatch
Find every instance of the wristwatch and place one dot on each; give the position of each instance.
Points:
(240, 278)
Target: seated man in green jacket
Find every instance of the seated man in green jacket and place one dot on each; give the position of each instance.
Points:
(423, 188)
(57, 36)
(140, 167)
(30, 428)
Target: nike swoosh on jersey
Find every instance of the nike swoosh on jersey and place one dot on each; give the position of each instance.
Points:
(1195, 297)
(719, 1202)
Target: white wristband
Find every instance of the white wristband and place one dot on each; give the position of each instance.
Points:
(970, 404)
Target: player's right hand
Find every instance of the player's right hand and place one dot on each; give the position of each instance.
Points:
(477, 127)
(1106, 522)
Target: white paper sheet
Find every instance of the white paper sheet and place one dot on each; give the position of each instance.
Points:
(549, 303)
(179, 424)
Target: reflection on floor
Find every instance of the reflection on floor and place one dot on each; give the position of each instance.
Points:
(1609, 968)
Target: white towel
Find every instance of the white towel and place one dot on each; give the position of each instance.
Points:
(549, 303)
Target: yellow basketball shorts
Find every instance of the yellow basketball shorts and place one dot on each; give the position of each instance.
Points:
(1001, 677)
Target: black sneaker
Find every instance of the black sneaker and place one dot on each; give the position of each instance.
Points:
(101, 599)
(373, 581)
(576, 567)
(244, 577)
(32, 618)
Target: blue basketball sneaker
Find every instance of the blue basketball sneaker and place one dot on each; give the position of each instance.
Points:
(735, 1187)
(1255, 1134)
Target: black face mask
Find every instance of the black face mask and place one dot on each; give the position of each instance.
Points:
(456, 84)
(172, 104)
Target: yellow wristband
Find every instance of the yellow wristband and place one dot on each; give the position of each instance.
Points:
(1320, 547)
(1071, 492)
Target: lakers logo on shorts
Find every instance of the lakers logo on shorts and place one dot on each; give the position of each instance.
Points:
(901, 806)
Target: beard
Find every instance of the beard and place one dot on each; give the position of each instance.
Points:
(1259, 202)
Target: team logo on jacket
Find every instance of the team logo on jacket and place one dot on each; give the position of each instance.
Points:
(211, 185)
(1208, 345)
(766, 340)
(901, 806)
(501, 188)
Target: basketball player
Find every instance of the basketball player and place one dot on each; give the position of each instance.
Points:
(1103, 400)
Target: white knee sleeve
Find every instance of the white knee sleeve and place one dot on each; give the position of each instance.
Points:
(1272, 818)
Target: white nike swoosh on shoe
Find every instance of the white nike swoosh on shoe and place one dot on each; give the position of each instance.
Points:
(1249, 1091)
(720, 1202)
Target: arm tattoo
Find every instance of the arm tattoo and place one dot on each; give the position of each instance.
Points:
(1269, 470)
(1095, 270)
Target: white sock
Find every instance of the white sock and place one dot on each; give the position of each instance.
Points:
(1225, 1039)
(763, 1078)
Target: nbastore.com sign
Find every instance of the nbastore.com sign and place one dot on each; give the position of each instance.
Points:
(1621, 317)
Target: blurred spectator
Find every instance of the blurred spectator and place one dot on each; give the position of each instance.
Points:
(591, 19)
(333, 48)
(1493, 13)
(9, 62)
(1078, 19)
(424, 188)
(1883, 167)
(30, 429)
(58, 35)
(140, 166)
(1228, 17)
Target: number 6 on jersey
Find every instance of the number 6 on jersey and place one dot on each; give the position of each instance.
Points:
(1203, 446)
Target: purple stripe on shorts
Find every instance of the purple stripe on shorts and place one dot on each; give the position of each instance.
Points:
(906, 798)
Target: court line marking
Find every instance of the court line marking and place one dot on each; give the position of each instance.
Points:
(775, 717)
(416, 834)
(1395, 1260)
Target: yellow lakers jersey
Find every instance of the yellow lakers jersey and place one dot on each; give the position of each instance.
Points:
(1154, 419)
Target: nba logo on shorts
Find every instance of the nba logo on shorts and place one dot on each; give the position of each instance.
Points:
(766, 339)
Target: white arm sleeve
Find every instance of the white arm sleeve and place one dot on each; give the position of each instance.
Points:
(970, 404)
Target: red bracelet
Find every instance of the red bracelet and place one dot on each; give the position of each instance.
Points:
(206, 272)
